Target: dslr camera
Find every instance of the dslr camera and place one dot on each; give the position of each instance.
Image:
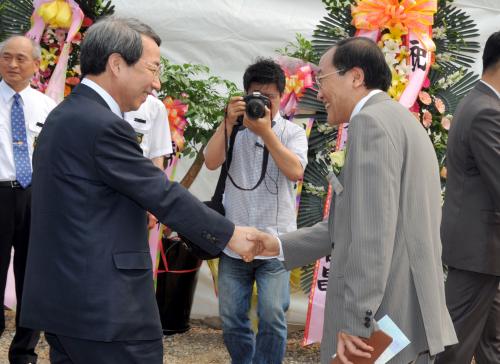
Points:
(255, 106)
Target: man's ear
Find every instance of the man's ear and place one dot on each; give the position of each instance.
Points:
(358, 77)
(115, 63)
(37, 65)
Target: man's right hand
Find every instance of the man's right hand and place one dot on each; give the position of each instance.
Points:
(240, 244)
(268, 244)
(235, 108)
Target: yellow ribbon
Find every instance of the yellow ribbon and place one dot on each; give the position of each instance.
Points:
(294, 84)
(56, 14)
(400, 15)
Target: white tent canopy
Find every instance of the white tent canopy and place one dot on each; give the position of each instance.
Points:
(227, 35)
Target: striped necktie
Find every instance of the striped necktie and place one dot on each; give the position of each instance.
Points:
(20, 143)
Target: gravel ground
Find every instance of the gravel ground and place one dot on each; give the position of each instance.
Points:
(200, 345)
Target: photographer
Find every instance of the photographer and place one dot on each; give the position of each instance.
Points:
(268, 206)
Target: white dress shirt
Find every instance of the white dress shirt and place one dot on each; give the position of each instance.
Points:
(36, 107)
(150, 123)
(113, 105)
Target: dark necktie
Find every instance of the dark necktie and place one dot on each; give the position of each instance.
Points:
(20, 143)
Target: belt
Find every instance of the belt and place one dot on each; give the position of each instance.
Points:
(11, 184)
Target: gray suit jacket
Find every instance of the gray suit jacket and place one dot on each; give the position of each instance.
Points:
(384, 231)
(471, 214)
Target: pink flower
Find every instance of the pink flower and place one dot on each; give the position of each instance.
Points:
(415, 108)
(445, 123)
(87, 22)
(60, 35)
(427, 119)
(425, 98)
(440, 106)
(426, 83)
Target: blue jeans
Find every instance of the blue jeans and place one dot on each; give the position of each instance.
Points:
(236, 279)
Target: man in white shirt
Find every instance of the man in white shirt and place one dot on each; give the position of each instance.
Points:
(150, 123)
(270, 207)
(22, 114)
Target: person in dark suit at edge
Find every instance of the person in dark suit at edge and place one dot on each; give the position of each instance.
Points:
(89, 276)
(470, 229)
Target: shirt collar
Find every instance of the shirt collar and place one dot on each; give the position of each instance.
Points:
(494, 90)
(362, 102)
(6, 92)
(113, 105)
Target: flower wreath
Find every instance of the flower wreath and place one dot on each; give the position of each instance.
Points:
(432, 35)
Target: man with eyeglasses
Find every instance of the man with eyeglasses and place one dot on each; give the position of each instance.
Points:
(383, 229)
(22, 114)
(269, 207)
(89, 282)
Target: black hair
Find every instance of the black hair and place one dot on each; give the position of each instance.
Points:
(491, 54)
(264, 71)
(363, 53)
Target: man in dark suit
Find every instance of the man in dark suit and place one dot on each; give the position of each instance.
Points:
(470, 227)
(89, 279)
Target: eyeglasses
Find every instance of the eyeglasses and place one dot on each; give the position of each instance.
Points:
(318, 79)
(156, 69)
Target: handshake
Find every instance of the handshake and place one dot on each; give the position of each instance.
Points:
(249, 242)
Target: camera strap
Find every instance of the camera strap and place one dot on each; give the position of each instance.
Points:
(221, 182)
(229, 155)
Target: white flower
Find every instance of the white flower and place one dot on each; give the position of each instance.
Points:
(390, 58)
(391, 46)
(444, 57)
(403, 68)
(439, 33)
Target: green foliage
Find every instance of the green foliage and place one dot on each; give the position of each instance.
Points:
(302, 49)
(205, 95)
(94, 9)
(15, 17)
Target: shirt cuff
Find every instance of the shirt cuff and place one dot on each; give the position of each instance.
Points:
(281, 256)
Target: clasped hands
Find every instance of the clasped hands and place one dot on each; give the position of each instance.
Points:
(249, 242)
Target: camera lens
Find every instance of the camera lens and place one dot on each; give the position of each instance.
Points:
(255, 109)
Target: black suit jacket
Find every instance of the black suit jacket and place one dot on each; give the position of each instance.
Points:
(470, 228)
(89, 272)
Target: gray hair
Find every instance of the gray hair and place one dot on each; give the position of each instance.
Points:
(113, 35)
(36, 50)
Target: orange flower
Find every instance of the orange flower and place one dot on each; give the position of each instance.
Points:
(425, 98)
(443, 173)
(67, 90)
(427, 119)
(73, 81)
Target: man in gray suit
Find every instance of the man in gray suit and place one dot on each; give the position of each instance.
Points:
(384, 225)
(471, 218)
